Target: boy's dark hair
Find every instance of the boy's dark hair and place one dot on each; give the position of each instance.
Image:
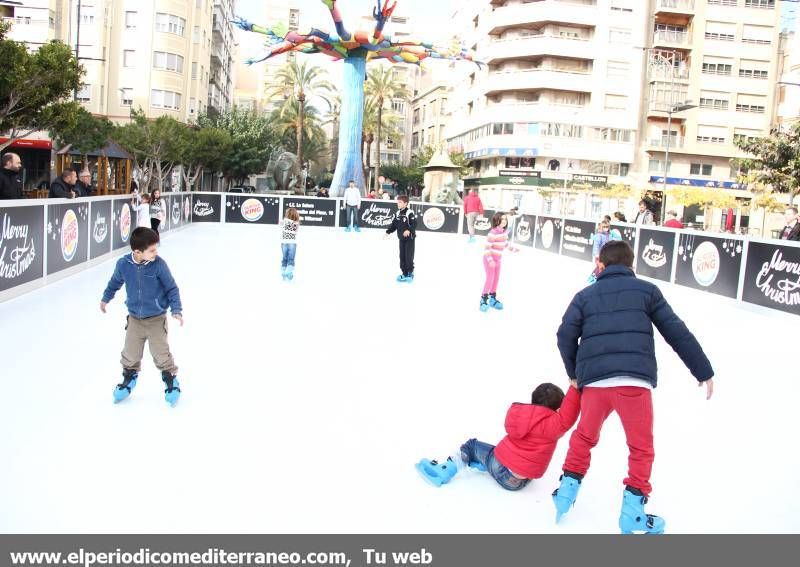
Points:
(548, 395)
(403, 198)
(617, 253)
(497, 218)
(143, 238)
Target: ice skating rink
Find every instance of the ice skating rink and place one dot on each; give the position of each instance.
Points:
(306, 404)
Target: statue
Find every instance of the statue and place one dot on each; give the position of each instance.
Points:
(441, 180)
(284, 171)
(355, 49)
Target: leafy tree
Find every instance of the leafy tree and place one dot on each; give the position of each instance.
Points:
(383, 86)
(88, 134)
(372, 122)
(295, 83)
(202, 149)
(35, 86)
(706, 197)
(154, 144)
(775, 161)
(253, 140)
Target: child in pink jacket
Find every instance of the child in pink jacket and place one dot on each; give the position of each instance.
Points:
(496, 242)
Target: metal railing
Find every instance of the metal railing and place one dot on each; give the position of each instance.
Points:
(676, 4)
(668, 36)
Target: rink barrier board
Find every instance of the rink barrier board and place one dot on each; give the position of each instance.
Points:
(713, 263)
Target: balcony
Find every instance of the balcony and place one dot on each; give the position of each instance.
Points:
(676, 143)
(675, 7)
(674, 39)
(667, 73)
(545, 44)
(536, 79)
(556, 11)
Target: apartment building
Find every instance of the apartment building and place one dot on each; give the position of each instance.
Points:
(286, 12)
(430, 108)
(223, 52)
(787, 104)
(556, 104)
(719, 58)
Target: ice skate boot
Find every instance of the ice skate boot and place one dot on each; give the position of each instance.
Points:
(290, 273)
(493, 302)
(564, 496)
(471, 240)
(348, 228)
(464, 453)
(484, 303)
(401, 278)
(632, 517)
(357, 228)
(172, 393)
(435, 473)
(124, 389)
(283, 273)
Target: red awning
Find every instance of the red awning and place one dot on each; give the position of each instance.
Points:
(30, 144)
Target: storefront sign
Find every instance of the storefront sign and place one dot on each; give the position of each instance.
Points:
(548, 234)
(772, 276)
(21, 245)
(515, 173)
(590, 179)
(313, 212)
(655, 254)
(100, 225)
(687, 182)
(252, 210)
(67, 236)
(206, 207)
(578, 239)
(437, 218)
(709, 263)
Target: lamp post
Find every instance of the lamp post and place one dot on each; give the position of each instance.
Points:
(686, 105)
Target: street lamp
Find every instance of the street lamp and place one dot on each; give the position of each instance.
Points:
(686, 105)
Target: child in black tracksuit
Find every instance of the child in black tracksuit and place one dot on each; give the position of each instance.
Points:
(405, 223)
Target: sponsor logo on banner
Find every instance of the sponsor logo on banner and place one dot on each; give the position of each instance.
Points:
(100, 230)
(176, 211)
(17, 253)
(779, 280)
(187, 209)
(69, 235)
(252, 210)
(516, 181)
(523, 230)
(433, 218)
(654, 256)
(203, 208)
(548, 232)
(378, 216)
(125, 222)
(483, 223)
(705, 264)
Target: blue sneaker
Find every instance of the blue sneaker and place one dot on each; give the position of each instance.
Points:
(348, 229)
(471, 240)
(493, 302)
(564, 496)
(484, 304)
(172, 393)
(435, 473)
(357, 228)
(123, 390)
(633, 519)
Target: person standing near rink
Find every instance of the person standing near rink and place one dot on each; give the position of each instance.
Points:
(472, 208)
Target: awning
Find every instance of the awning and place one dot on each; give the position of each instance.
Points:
(29, 144)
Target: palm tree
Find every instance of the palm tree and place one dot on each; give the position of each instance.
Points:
(335, 109)
(296, 82)
(375, 121)
(383, 86)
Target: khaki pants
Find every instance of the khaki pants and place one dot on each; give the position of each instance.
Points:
(153, 331)
(471, 218)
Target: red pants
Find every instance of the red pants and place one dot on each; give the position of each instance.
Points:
(635, 409)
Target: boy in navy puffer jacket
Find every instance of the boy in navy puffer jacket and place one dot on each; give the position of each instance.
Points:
(606, 343)
(150, 290)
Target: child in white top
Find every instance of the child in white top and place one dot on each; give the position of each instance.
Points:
(289, 227)
(142, 207)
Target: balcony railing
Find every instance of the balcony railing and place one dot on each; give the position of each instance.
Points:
(664, 72)
(674, 142)
(661, 37)
(676, 5)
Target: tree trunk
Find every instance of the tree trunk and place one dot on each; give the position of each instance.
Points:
(349, 164)
(378, 153)
(368, 158)
(301, 99)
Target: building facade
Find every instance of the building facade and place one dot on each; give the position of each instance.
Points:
(430, 107)
(223, 53)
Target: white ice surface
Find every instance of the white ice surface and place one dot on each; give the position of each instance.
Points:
(306, 405)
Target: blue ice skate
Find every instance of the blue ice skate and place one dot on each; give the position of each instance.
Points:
(471, 240)
(123, 390)
(633, 519)
(435, 473)
(290, 273)
(348, 228)
(172, 393)
(357, 228)
(484, 304)
(402, 278)
(494, 303)
(564, 496)
(283, 273)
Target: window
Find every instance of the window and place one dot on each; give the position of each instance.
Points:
(765, 4)
(192, 105)
(167, 61)
(714, 100)
(657, 166)
(84, 94)
(610, 134)
(723, 2)
(619, 35)
(170, 24)
(129, 58)
(126, 96)
(130, 20)
(671, 33)
(616, 102)
(721, 31)
(717, 65)
(624, 6)
(399, 106)
(751, 103)
(416, 116)
(700, 169)
(749, 69)
(712, 134)
(618, 69)
(415, 140)
(502, 129)
(557, 130)
(165, 99)
(194, 69)
(761, 35)
(742, 134)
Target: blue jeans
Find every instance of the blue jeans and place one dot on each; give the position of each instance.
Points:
(289, 251)
(475, 451)
(352, 215)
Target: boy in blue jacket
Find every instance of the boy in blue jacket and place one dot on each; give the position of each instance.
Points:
(606, 343)
(150, 290)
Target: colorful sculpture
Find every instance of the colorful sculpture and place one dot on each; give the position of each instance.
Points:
(355, 49)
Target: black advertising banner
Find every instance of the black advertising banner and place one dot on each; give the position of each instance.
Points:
(655, 254)
(436, 217)
(578, 239)
(123, 221)
(313, 212)
(166, 224)
(709, 263)
(548, 233)
(624, 232)
(242, 209)
(371, 214)
(525, 230)
(772, 276)
(175, 213)
(100, 227)
(483, 223)
(206, 208)
(67, 235)
(21, 245)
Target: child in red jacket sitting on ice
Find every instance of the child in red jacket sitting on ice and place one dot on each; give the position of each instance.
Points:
(525, 453)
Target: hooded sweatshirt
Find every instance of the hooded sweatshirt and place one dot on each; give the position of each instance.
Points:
(533, 433)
